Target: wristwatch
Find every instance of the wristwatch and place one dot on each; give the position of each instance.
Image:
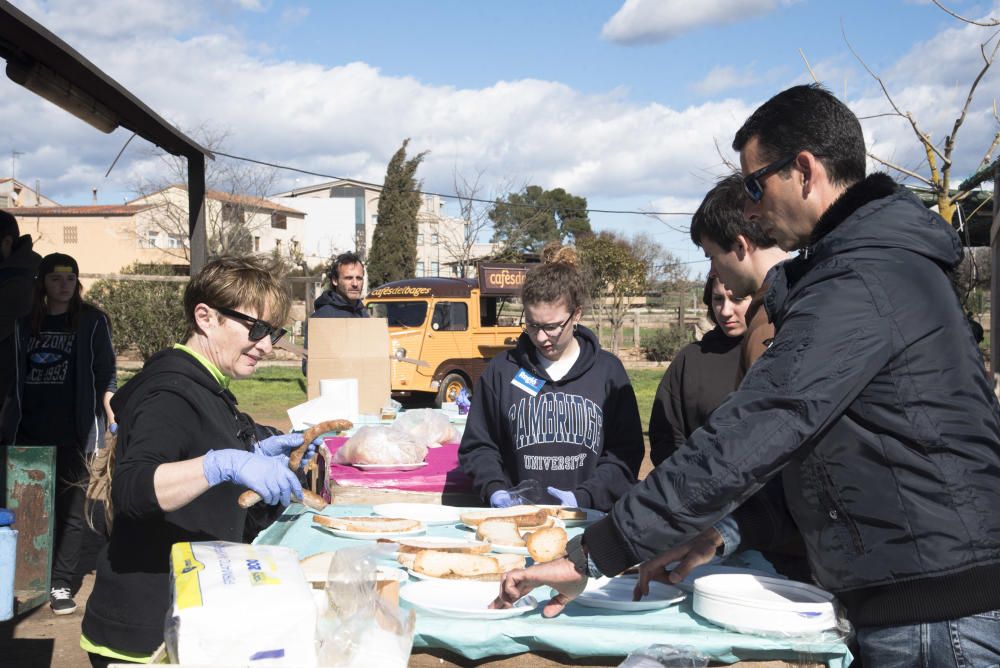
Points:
(577, 555)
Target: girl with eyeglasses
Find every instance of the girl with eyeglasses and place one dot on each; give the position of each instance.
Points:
(65, 380)
(557, 409)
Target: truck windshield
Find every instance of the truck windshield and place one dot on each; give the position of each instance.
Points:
(400, 314)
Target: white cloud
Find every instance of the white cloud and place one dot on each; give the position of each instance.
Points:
(724, 78)
(294, 14)
(648, 21)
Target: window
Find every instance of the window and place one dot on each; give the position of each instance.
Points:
(420, 239)
(279, 221)
(400, 314)
(434, 239)
(420, 269)
(151, 238)
(277, 246)
(293, 246)
(175, 241)
(435, 269)
(256, 244)
(69, 234)
(450, 317)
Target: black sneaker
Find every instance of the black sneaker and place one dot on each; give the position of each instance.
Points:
(61, 601)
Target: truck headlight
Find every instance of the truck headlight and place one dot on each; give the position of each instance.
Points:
(400, 353)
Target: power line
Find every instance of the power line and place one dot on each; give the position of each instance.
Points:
(444, 195)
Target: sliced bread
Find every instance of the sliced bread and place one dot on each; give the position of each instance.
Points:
(414, 545)
(520, 515)
(500, 531)
(455, 566)
(367, 524)
(547, 544)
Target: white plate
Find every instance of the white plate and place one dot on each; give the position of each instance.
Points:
(428, 513)
(592, 516)
(509, 549)
(389, 467)
(462, 599)
(437, 542)
(616, 594)
(371, 535)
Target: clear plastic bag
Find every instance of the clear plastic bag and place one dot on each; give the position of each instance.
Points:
(531, 492)
(374, 444)
(665, 656)
(356, 628)
(427, 426)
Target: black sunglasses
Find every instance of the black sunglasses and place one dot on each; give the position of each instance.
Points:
(752, 182)
(258, 328)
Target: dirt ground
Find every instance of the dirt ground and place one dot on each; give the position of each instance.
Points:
(41, 639)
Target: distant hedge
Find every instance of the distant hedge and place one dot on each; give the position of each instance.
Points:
(664, 343)
(146, 316)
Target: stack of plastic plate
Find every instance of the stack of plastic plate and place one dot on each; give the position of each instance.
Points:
(764, 605)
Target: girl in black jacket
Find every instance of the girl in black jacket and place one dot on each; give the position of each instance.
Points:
(65, 381)
(556, 409)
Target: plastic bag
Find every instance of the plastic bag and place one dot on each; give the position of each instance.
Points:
(427, 426)
(357, 629)
(380, 445)
(665, 656)
(530, 492)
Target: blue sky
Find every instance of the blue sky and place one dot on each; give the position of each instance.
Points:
(619, 101)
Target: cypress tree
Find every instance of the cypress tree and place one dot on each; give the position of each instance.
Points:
(394, 243)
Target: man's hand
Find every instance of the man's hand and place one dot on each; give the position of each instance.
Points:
(697, 551)
(559, 574)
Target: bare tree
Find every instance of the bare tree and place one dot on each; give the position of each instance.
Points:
(939, 158)
(459, 242)
(236, 209)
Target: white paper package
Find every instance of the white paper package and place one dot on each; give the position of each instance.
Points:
(236, 604)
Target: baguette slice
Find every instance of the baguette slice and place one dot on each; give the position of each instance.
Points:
(525, 530)
(547, 544)
(509, 562)
(521, 515)
(414, 545)
(566, 512)
(368, 524)
(452, 565)
(500, 531)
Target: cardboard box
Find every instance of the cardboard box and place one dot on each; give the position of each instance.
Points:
(352, 348)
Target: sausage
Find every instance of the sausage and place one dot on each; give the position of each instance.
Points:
(310, 435)
(309, 499)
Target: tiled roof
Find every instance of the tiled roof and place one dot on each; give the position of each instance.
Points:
(92, 210)
(250, 201)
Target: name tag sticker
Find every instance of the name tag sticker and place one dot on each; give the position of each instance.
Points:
(527, 382)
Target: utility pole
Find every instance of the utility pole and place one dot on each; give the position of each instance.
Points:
(13, 162)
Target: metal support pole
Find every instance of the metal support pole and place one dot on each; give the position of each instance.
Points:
(196, 212)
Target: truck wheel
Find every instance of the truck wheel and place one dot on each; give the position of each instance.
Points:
(451, 385)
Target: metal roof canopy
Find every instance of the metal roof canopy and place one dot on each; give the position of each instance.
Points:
(26, 43)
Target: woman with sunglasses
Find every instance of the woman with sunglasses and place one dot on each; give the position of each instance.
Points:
(184, 454)
(701, 375)
(556, 409)
(65, 379)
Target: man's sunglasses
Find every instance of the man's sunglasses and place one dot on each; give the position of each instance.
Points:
(258, 328)
(752, 182)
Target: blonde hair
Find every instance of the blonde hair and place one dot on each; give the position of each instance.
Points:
(238, 282)
(558, 277)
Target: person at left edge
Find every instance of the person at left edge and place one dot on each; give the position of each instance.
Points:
(556, 409)
(65, 379)
(185, 453)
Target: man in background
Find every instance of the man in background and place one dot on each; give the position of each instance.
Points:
(343, 299)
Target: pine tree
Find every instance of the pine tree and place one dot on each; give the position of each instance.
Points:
(394, 243)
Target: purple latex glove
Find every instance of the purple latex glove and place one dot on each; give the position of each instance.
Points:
(502, 499)
(283, 444)
(268, 476)
(565, 498)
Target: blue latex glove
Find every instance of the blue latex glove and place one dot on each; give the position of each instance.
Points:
(282, 444)
(565, 498)
(268, 476)
(502, 499)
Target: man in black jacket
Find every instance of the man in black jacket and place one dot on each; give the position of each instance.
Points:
(870, 403)
(343, 299)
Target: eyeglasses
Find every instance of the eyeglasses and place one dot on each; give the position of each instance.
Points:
(752, 183)
(551, 331)
(258, 328)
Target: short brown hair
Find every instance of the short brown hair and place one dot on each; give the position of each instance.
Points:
(558, 277)
(234, 283)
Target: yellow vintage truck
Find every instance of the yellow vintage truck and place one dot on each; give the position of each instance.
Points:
(444, 331)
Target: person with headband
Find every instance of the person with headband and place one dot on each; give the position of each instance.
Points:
(185, 453)
(556, 409)
(65, 379)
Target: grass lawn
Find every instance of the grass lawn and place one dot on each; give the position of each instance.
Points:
(272, 390)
